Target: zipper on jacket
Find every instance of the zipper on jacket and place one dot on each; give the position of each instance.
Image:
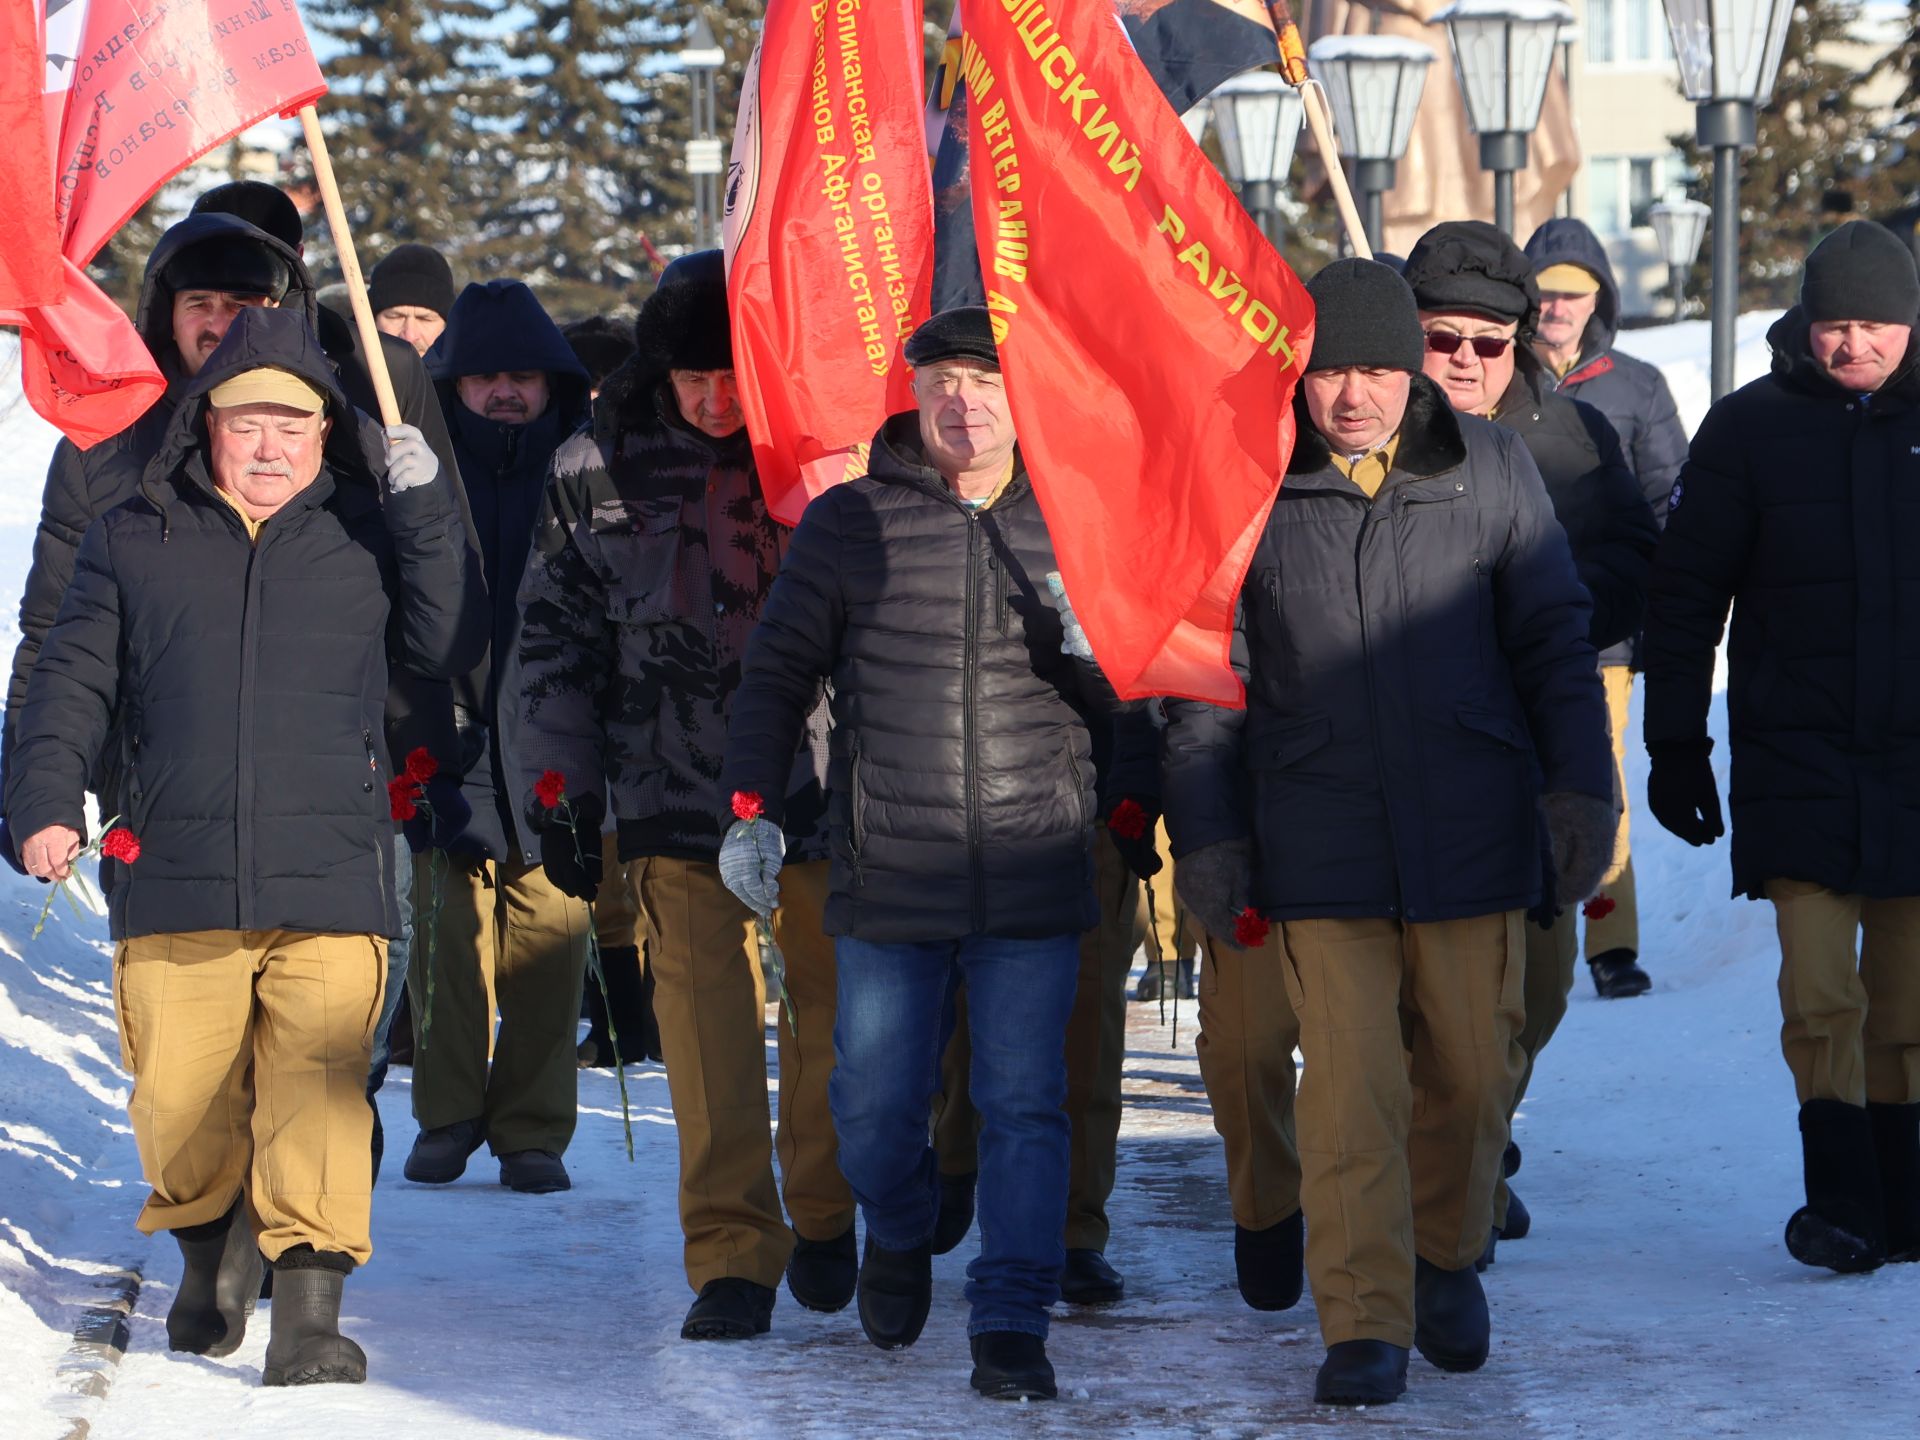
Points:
(244, 777)
(999, 589)
(1373, 518)
(856, 814)
(970, 764)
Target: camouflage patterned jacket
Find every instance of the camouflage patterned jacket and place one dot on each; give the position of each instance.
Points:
(652, 559)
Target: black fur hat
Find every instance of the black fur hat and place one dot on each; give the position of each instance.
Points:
(683, 325)
(263, 206)
(602, 345)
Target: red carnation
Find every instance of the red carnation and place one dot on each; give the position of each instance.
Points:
(121, 844)
(1250, 928)
(1128, 820)
(1599, 907)
(747, 805)
(550, 789)
(401, 793)
(421, 766)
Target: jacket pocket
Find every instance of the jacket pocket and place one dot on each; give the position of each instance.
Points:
(645, 558)
(1509, 732)
(1277, 746)
(120, 1007)
(856, 812)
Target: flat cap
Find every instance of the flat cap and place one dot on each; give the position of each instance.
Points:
(963, 333)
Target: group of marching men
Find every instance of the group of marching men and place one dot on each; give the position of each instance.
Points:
(393, 708)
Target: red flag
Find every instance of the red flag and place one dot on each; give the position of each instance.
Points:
(1150, 336)
(829, 232)
(30, 272)
(133, 91)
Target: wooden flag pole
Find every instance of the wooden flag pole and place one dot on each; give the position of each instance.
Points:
(1293, 68)
(350, 267)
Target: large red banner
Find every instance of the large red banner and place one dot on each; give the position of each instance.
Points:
(829, 232)
(1150, 335)
(132, 92)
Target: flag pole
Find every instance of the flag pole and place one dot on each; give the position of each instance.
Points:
(1313, 99)
(350, 267)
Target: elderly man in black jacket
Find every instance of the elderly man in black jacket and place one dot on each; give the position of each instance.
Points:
(1797, 508)
(962, 812)
(1478, 304)
(505, 932)
(1413, 633)
(238, 616)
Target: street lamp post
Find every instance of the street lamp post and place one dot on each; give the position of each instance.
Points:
(1373, 84)
(1257, 117)
(706, 161)
(1502, 55)
(1678, 225)
(1729, 53)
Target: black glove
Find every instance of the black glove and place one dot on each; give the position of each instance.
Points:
(451, 816)
(1681, 791)
(1131, 827)
(7, 848)
(570, 854)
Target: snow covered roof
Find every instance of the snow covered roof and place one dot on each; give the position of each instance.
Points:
(1369, 47)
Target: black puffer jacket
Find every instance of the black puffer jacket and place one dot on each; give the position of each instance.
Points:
(1610, 527)
(500, 326)
(1418, 674)
(1799, 506)
(251, 674)
(961, 788)
(84, 485)
(1632, 394)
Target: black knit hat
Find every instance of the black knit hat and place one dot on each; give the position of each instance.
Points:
(1363, 315)
(962, 333)
(1862, 271)
(1471, 265)
(683, 324)
(263, 206)
(230, 263)
(412, 274)
(602, 345)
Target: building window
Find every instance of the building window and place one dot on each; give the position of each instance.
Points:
(1621, 189)
(1599, 32)
(1627, 32)
(1604, 211)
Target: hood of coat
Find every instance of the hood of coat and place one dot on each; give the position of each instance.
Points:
(284, 340)
(1430, 438)
(501, 326)
(1790, 338)
(153, 315)
(1566, 241)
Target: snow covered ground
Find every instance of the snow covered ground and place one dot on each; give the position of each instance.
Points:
(1654, 1297)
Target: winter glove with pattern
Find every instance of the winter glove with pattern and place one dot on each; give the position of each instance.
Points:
(570, 854)
(1215, 883)
(750, 860)
(1581, 830)
(410, 461)
(1075, 641)
(1681, 791)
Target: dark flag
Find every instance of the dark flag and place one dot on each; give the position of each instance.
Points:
(1187, 46)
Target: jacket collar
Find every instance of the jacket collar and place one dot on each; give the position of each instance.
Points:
(1794, 368)
(1431, 442)
(899, 457)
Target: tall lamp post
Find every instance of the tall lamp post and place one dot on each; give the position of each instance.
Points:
(1374, 84)
(1257, 117)
(1679, 225)
(706, 161)
(1729, 53)
(1502, 55)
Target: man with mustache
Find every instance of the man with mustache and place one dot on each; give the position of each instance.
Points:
(505, 936)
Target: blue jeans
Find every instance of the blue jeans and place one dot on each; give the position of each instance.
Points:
(895, 1017)
(397, 951)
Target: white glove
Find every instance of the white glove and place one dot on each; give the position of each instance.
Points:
(750, 860)
(409, 460)
(1075, 642)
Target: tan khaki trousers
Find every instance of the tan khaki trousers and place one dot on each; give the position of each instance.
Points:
(249, 1053)
(1248, 1032)
(1096, 1055)
(1619, 929)
(503, 928)
(1849, 1006)
(710, 1000)
(1408, 1036)
(1549, 982)
(1172, 937)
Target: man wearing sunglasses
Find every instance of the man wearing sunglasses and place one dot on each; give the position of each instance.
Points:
(1479, 304)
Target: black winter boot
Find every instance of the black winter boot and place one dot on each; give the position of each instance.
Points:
(956, 1211)
(896, 1291)
(821, 1274)
(1087, 1279)
(439, 1156)
(1361, 1372)
(631, 997)
(1451, 1326)
(306, 1346)
(218, 1286)
(1519, 1219)
(1896, 1146)
(729, 1309)
(1011, 1365)
(1843, 1225)
(534, 1172)
(1617, 975)
(1267, 1263)
(1183, 982)
(400, 1032)
(1151, 981)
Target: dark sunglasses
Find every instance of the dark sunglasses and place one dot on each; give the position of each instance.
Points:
(1487, 347)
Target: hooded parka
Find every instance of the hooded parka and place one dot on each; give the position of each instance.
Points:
(251, 673)
(1418, 674)
(1799, 506)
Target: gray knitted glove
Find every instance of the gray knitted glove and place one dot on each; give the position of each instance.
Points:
(1075, 641)
(1216, 884)
(750, 859)
(410, 461)
(1581, 829)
